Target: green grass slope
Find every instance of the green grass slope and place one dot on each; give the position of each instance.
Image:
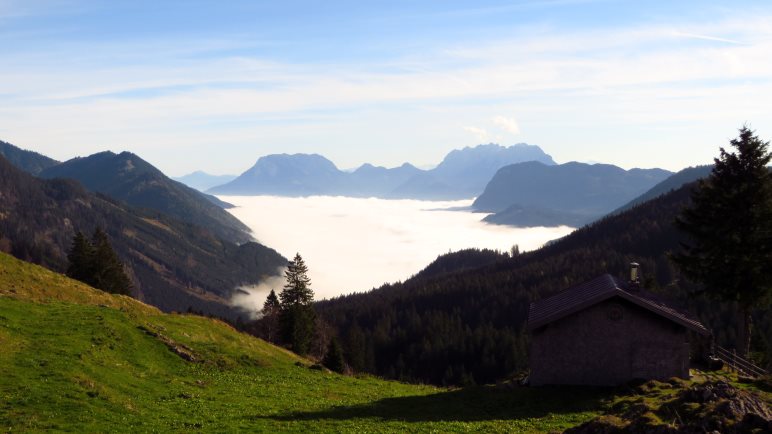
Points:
(76, 359)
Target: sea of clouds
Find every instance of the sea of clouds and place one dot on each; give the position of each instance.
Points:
(353, 244)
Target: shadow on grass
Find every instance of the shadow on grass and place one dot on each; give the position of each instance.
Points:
(467, 405)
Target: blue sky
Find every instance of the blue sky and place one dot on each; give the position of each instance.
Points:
(214, 85)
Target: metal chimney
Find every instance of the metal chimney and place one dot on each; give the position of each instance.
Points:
(635, 275)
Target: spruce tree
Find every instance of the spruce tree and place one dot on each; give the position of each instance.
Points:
(333, 360)
(271, 311)
(80, 257)
(109, 275)
(729, 230)
(95, 263)
(297, 290)
(297, 314)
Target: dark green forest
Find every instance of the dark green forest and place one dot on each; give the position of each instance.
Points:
(468, 326)
(173, 265)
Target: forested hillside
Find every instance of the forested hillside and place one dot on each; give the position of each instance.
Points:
(174, 265)
(28, 161)
(469, 326)
(130, 179)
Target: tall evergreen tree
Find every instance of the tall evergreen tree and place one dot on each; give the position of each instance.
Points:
(109, 274)
(297, 314)
(80, 257)
(333, 360)
(297, 290)
(729, 226)
(96, 263)
(271, 311)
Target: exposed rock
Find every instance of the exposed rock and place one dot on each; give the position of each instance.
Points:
(703, 408)
(182, 350)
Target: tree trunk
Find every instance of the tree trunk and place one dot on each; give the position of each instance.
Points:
(744, 326)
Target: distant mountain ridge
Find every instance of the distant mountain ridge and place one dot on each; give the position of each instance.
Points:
(28, 161)
(203, 181)
(462, 174)
(673, 182)
(286, 175)
(534, 194)
(129, 178)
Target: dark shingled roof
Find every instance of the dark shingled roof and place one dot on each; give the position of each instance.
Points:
(602, 288)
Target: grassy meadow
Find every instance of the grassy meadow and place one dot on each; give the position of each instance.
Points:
(76, 359)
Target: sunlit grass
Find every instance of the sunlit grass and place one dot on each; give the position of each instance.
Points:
(76, 359)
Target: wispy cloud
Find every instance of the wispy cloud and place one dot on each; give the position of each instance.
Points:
(507, 124)
(622, 78)
(251, 298)
(706, 38)
(480, 133)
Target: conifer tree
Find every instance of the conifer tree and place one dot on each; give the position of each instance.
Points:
(333, 360)
(109, 275)
(271, 311)
(80, 258)
(95, 263)
(297, 290)
(297, 314)
(729, 227)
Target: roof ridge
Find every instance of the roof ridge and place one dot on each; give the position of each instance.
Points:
(596, 290)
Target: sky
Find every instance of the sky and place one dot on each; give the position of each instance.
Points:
(403, 237)
(214, 85)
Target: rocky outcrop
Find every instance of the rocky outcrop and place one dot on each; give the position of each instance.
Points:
(712, 407)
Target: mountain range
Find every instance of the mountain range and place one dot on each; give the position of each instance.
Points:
(174, 264)
(673, 182)
(462, 174)
(535, 194)
(128, 178)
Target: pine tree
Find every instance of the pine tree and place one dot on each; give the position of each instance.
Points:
(95, 263)
(271, 311)
(297, 290)
(333, 360)
(297, 314)
(109, 274)
(80, 258)
(729, 227)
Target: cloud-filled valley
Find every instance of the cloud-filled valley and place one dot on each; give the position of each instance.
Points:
(353, 244)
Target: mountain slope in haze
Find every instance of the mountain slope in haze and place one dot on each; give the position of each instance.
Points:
(530, 216)
(174, 265)
(469, 325)
(673, 182)
(203, 181)
(28, 161)
(378, 181)
(75, 359)
(128, 178)
(573, 189)
(461, 175)
(286, 175)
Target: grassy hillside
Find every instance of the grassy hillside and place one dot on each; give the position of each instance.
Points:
(76, 359)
